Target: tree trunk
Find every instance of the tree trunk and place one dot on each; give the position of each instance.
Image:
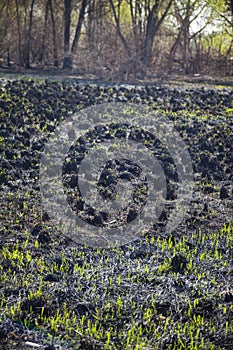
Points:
(91, 13)
(55, 55)
(19, 33)
(79, 27)
(136, 18)
(67, 61)
(152, 26)
(173, 50)
(45, 28)
(28, 45)
(5, 33)
(119, 33)
(186, 45)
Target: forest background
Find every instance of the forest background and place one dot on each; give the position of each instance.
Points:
(118, 38)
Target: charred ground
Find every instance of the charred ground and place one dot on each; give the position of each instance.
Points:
(159, 292)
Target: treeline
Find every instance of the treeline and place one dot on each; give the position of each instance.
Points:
(118, 37)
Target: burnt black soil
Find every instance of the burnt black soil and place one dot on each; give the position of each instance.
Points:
(159, 292)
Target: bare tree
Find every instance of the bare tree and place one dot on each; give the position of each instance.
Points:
(186, 12)
(67, 61)
(20, 60)
(55, 49)
(43, 48)
(153, 23)
(116, 17)
(79, 26)
(68, 53)
(28, 38)
(44, 33)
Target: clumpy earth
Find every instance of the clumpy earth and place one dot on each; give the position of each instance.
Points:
(161, 291)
